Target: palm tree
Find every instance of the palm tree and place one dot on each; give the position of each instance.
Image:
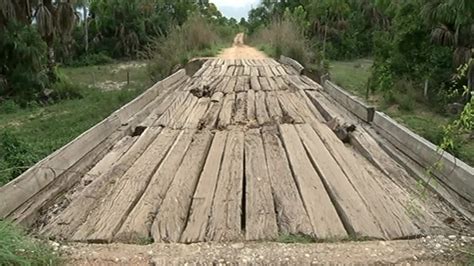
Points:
(84, 4)
(453, 25)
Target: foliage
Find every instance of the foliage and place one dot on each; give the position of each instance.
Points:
(16, 248)
(33, 133)
(285, 37)
(180, 45)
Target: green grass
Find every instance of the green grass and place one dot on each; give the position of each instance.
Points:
(29, 135)
(293, 239)
(352, 75)
(416, 115)
(16, 248)
(107, 76)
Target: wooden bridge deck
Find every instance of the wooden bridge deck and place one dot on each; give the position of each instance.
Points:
(236, 152)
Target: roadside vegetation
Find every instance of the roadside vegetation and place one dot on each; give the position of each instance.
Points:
(66, 65)
(16, 248)
(412, 59)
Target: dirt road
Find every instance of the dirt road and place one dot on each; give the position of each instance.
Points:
(241, 51)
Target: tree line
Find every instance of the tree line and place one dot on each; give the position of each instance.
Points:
(420, 44)
(37, 35)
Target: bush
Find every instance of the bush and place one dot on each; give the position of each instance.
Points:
(285, 37)
(91, 59)
(23, 63)
(180, 45)
(16, 248)
(8, 107)
(16, 156)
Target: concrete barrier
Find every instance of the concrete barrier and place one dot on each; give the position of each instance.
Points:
(350, 102)
(452, 172)
(18, 191)
(293, 63)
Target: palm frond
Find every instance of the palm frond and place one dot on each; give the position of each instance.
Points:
(7, 9)
(443, 36)
(461, 55)
(65, 19)
(45, 21)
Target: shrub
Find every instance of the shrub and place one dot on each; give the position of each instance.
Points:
(16, 248)
(8, 107)
(91, 59)
(16, 156)
(285, 38)
(180, 45)
(23, 63)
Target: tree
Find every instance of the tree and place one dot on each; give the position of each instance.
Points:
(453, 24)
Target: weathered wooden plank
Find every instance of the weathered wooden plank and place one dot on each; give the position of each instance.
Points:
(169, 116)
(240, 116)
(223, 84)
(247, 70)
(225, 116)
(390, 214)
(209, 119)
(230, 71)
(290, 113)
(198, 113)
(273, 85)
(260, 218)
(273, 107)
(265, 85)
(109, 160)
(280, 84)
(321, 211)
(137, 224)
(225, 222)
(240, 86)
(291, 214)
(255, 84)
(183, 113)
(261, 109)
(104, 221)
(229, 88)
(254, 71)
(355, 215)
(200, 213)
(172, 216)
(67, 222)
(251, 111)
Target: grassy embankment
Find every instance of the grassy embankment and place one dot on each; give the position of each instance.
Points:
(408, 110)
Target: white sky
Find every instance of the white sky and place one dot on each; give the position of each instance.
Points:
(235, 8)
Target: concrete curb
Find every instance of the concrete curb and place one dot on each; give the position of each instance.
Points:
(19, 190)
(453, 172)
(293, 63)
(350, 102)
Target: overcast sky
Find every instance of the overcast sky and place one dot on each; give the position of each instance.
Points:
(235, 8)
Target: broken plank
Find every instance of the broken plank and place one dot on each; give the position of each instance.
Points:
(172, 216)
(321, 211)
(225, 116)
(200, 213)
(290, 113)
(260, 218)
(198, 113)
(390, 214)
(240, 116)
(137, 225)
(273, 107)
(75, 214)
(104, 221)
(225, 222)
